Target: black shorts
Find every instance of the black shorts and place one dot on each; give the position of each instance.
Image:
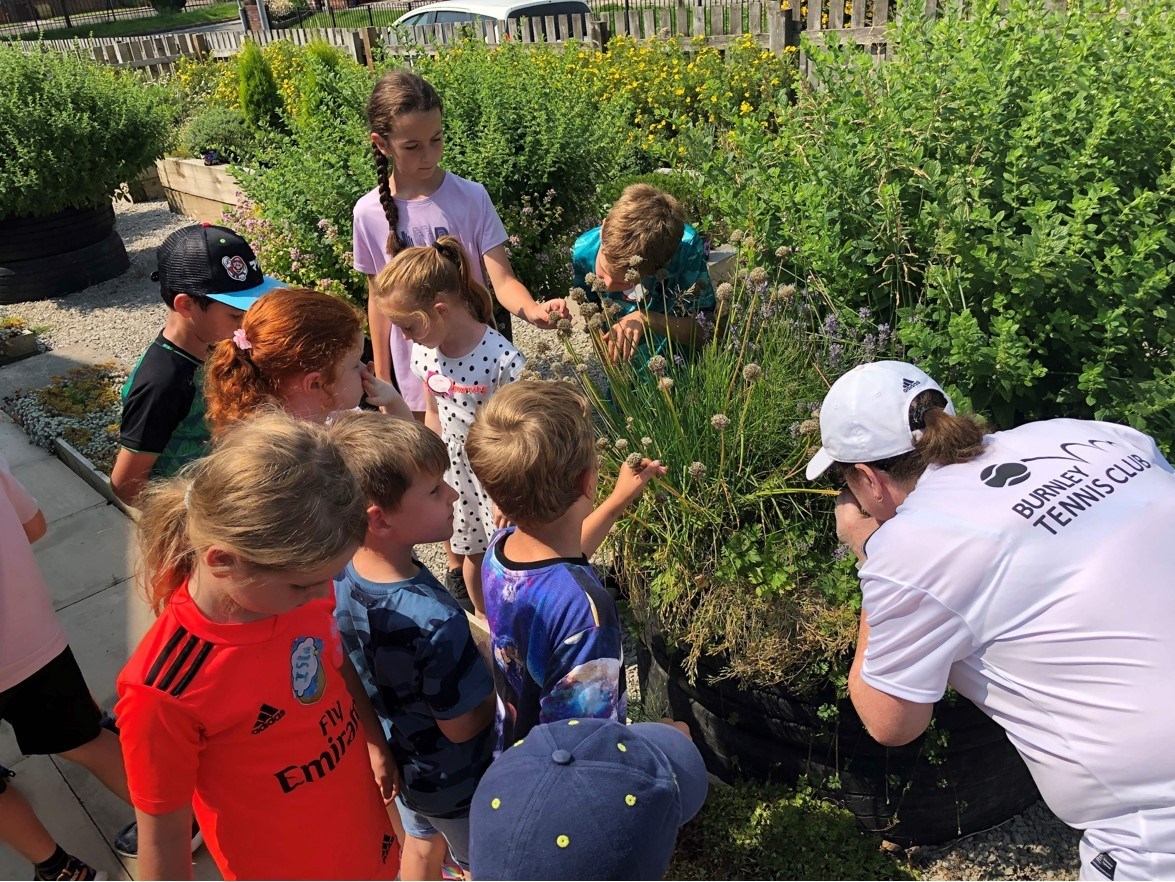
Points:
(52, 711)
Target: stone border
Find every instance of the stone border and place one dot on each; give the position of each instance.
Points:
(85, 470)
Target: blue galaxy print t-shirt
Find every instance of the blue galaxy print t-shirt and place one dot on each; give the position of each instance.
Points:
(556, 641)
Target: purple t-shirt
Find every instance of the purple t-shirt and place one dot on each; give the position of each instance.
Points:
(459, 208)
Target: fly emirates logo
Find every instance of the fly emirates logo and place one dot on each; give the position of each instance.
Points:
(339, 732)
(1056, 503)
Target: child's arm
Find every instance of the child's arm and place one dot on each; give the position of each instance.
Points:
(165, 844)
(455, 682)
(130, 474)
(384, 395)
(626, 334)
(381, 334)
(35, 527)
(383, 764)
(514, 295)
(629, 485)
(469, 724)
(32, 519)
(432, 417)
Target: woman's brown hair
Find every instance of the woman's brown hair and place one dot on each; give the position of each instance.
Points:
(288, 332)
(413, 280)
(398, 92)
(275, 492)
(946, 439)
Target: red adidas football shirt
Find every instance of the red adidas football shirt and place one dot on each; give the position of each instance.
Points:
(253, 724)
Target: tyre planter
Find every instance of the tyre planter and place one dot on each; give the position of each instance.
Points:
(920, 794)
(50, 256)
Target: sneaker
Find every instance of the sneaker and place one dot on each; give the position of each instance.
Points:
(75, 870)
(455, 585)
(126, 843)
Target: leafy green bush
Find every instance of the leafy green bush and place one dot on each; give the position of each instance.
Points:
(222, 129)
(763, 831)
(1003, 192)
(72, 130)
(259, 98)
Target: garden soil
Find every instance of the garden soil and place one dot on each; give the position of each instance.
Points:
(121, 317)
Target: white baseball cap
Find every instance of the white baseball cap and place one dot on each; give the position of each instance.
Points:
(866, 414)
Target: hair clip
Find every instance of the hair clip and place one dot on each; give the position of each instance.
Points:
(241, 341)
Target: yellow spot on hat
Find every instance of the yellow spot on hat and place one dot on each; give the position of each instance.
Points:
(495, 803)
(620, 746)
(519, 741)
(562, 841)
(573, 722)
(630, 799)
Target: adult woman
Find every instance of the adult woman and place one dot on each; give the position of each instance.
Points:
(1031, 570)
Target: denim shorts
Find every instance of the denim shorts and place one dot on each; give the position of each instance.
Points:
(455, 831)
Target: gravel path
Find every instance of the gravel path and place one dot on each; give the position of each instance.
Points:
(122, 316)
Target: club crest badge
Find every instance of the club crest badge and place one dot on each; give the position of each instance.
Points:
(236, 267)
(307, 673)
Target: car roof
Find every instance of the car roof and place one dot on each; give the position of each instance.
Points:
(481, 7)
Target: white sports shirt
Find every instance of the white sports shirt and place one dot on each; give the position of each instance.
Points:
(1039, 581)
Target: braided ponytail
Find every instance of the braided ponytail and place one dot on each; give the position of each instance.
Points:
(398, 92)
(391, 212)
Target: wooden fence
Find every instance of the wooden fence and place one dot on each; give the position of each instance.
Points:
(772, 25)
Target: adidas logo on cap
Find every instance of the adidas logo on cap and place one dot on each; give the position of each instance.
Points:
(907, 385)
(266, 717)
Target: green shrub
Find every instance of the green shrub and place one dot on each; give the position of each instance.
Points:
(222, 129)
(169, 5)
(763, 831)
(1003, 193)
(72, 130)
(259, 98)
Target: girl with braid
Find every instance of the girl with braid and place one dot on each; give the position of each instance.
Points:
(416, 203)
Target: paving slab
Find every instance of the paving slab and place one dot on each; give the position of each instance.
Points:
(63, 815)
(14, 443)
(58, 490)
(39, 371)
(86, 552)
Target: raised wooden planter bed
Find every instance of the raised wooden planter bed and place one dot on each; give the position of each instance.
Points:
(200, 191)
(18, 346)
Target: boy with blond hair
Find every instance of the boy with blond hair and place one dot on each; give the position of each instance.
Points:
(651, 264)
(555, 631)
(409, 639)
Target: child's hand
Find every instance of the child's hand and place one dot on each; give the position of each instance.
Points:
(546, 315)
(631, 482)
(625, 336)
(386, 771)
(379, 392)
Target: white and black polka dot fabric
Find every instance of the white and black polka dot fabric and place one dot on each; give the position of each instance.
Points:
(460, 386)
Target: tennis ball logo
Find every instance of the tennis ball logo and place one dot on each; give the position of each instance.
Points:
(1006, 474)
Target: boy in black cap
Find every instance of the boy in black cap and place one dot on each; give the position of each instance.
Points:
(208, 276)
(586, 799)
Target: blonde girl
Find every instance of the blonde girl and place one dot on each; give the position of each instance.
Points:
(430, 294)
(415, 203)
(240, 703)
(297, 350)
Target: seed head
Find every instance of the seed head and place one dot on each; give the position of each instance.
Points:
(589, 278)
(787, 292)
(783, 252)
(542, 346)
(631, 275)
(724, 292)
(749, 242)
(588, 309)
(564, 327)
(657, 365)
(634, 261)
(666, 384)
(577, 294)
(602, 444)
(628, 421)
(758, 275)
(581, 367)
(752, 372)
(697, 470)
(736, 236)
(597, 323)
(634, 461)
(621, 445)
(646, 441)
(598, 285)
(719, 421)
(810, 427)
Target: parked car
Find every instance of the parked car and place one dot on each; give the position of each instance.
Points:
(460, 12)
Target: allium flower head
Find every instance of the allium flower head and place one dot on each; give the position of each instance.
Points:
(621, 445)
(598, 285)
(602, 444)
(577, 294)
(783, 252)
(646, 441)
(749, 242)
(661, 274)
(724, 292)
(720, 421)
(634, 261)
(736, 236)
(666, 384)
(752, 372)
(581, 367)
(810, 427)
(628, 421)
(632, 276)
(634, 461)
(597, 323)
(564, 327)
(590, 278)
(758, 275)
(657, 365)
(787, 292)
(587, 310)
(697, 470)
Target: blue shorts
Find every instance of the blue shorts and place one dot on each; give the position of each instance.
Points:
(455, 831)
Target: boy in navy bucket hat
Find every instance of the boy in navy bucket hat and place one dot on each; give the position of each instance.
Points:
(208, 276)
(586, 799)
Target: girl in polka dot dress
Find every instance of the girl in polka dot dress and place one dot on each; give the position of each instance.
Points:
(430, 294)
